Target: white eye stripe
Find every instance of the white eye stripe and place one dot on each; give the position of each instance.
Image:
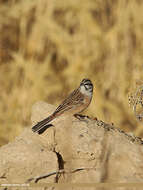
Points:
(88, 86)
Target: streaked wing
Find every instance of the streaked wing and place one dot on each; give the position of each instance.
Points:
(73, 99)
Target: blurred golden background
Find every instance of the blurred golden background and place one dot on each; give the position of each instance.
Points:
(47, 47)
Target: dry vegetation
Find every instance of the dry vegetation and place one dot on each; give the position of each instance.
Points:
(47, 47)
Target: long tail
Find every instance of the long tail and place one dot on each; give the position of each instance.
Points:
(42, 125)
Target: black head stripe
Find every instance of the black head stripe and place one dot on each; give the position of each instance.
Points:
(86, 82)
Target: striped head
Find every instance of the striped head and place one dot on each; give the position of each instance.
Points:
(86, 87)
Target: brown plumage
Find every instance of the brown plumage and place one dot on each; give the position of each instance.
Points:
(75, 103)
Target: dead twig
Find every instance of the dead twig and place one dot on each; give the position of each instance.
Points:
(62, 171)
(136, 101)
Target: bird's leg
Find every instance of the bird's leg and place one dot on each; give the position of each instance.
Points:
(82, 117)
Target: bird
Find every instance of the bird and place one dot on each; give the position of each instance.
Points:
(75, 103)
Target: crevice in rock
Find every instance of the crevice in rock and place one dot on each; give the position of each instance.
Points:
(60, 165)
(60, 161)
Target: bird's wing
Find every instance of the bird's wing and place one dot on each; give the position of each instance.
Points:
(73, 99)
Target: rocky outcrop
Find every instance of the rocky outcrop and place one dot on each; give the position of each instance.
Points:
(87, 150)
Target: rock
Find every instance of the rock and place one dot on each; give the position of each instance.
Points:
(89, 151)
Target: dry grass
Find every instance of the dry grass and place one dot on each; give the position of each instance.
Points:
(47, 47)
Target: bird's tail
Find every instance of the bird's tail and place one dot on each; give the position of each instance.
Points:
(42, 125)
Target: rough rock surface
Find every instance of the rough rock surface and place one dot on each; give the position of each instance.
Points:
(104, 153)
